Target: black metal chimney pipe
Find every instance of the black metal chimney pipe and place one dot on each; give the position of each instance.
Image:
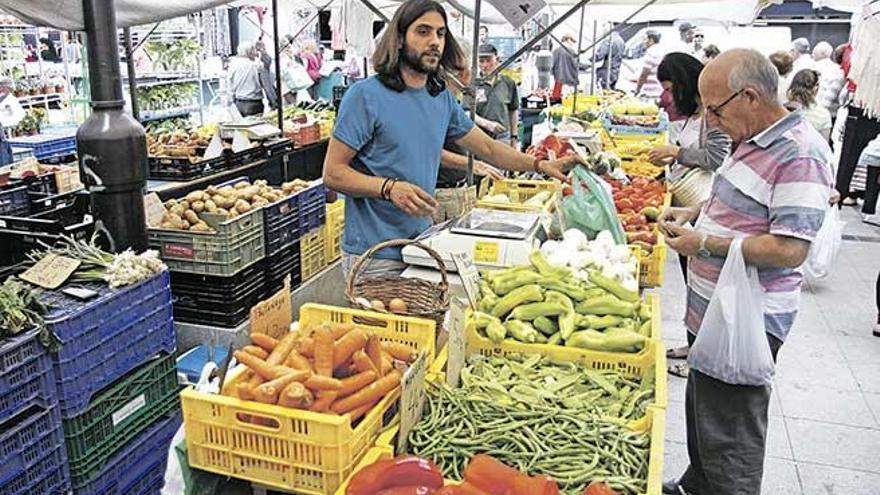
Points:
(111, 145)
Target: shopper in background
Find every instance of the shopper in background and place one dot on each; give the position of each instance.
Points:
(870, 159)
(244, 80)
(484, 33)
(685, 41)
(783, 63)
(313, 61)
(11, 114)
(390, 131)
(710, 53)
(696, 149)
(48, 52)
(802, 96)
(609, 56)
(497, 98)
(831, 81)
(647, 84)
(565, 68)
(772, 192)
(267, 77)
(801, 56)
(859, 130)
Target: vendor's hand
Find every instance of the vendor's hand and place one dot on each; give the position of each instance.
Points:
(412, 199)
(662, 155)
(675, 217)
(482, 168)
(558, 169)
(835, 197)
(684, 240)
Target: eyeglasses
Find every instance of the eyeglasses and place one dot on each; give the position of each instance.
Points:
(698, 36)
(716, 109)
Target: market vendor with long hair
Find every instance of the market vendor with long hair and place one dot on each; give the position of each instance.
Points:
(389, 134)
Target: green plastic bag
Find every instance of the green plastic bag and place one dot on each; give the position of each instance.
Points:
(590, 207)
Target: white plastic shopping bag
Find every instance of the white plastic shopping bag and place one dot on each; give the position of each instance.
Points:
(731, 345)
(826, 245)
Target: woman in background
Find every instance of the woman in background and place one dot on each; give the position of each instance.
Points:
(802, 95)
(313, 61)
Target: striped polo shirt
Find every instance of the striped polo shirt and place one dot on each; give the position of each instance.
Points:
(777, 182)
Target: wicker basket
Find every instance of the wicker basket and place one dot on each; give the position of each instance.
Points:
(423, 299)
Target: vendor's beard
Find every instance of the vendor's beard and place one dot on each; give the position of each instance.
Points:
(415, 61)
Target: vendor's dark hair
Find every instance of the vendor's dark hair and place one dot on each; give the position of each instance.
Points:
(783, 62)
(803, 87)
(388, 56)
(683, 71)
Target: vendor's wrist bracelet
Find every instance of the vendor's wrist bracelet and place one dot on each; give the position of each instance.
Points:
(390, 188)
(384, 188)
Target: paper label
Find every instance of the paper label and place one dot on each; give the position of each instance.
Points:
(517, 12)
(273, 316)
(470, 277)
(215, 147)
(51, 271)
(457, 344)
(129, 409)
(240, 141)
(485, 252)
(178, 251)
(154, 209)
(412, 399)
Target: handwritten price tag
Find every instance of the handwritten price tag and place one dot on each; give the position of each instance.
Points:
(456, 346)
(412, 399)
(51, 271)
(470, 277)
(273, 316)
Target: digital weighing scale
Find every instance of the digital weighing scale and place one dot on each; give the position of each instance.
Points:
(493, 239)
(254, 129)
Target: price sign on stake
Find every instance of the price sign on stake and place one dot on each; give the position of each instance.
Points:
(273, 316)
(51, 271)
(470, 277)
(154, 209)
(456, 346)
(412, 399)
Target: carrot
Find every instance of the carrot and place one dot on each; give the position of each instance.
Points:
(265, 396)
(319, 382)
(346, 346)
(258, 365)
(297, 361)
(264, 341)
(325, 399)
(401, 352)
(255, 350)
(323, 352)
(355, 414)
(340, 329)
(306, 346)
(295, 395)
(244, 391)
(363, 363)
(372, 392)
(280, 352)
(387, 363)
(374, 352)
(274, 387)
(354, 383)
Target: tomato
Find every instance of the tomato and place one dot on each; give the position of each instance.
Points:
(489, 474)
(599, 488)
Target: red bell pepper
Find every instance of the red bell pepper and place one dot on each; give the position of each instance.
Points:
(533, 485)
(489, 474)
(406, 471)
(599, 488)
(408, 490)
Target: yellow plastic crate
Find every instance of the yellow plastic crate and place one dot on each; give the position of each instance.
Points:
(519, 191)
(312, 256)
(641, 168)
(333, 230)
(307, 452)
(654, 422)
(652, 265)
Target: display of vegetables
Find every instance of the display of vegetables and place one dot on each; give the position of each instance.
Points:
(330, 368)
(167, 96)
(581, 255)
(573, 449)
(551, 146)
(170, 141)
(641, 168)
(546, 304)
(525, 381)
(638, 204)
(537, 200)
(218, 204)
(20, 308)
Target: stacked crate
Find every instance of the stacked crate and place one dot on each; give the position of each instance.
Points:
(288, 224)
(32, 454)
(333, 230)
(117, 385)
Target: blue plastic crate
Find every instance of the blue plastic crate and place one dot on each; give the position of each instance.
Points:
(14, 201)
(138, 468)
(107, 336)
(25, 375)
(635, 129)
(24, 441)
(47, 476)
(46, 145)
(313, 212)
(191, 363)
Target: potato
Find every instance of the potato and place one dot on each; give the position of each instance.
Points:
(226, 191)
(168, 225)
(210, 206)
(222, 211)
(212, 190)
(241, 185)
(184, 204)
(198, 206)
(177, 210)
(182, 224)
(242, 206)
(170, 203)
(200, 227)
(261, 182)
(259, 201)
(191, 217)
(233, 213)
(194, 196)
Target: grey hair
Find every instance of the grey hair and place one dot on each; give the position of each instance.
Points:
(822, 50)
(247, 49)
(754, 70)
(801, 45)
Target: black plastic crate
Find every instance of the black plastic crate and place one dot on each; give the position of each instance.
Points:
(19, 234)
(217, 301)
(246, 157)
(278, 146)
(286, 262)
(181, 168)
(14, 199)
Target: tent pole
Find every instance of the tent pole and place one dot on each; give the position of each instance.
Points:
(534, 41)
(577, 61)
(608, 59)
(593, 72)
(275, 15)
(132, 76)
(472, 85)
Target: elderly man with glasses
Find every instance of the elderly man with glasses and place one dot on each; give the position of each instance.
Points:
(771, 192)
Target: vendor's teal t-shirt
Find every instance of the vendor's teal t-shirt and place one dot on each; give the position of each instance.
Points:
(398, 135)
